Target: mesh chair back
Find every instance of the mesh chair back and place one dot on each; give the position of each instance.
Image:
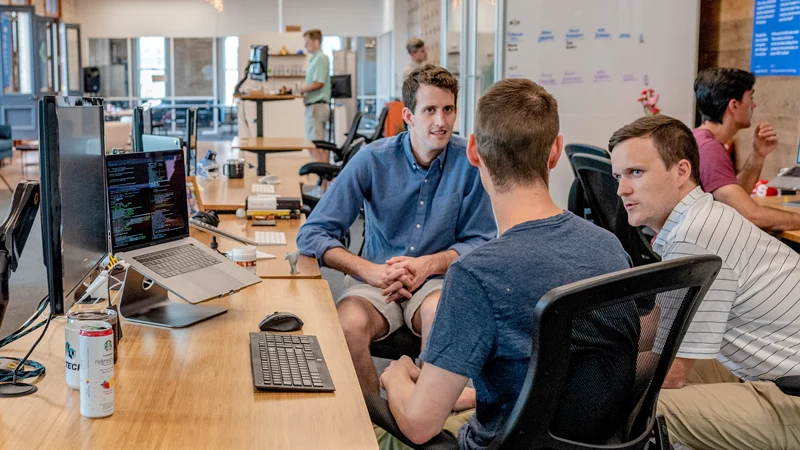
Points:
(608, 211)
(603, 347)
(353, 132)
(583, 149)
(380, 127)
(351, 150)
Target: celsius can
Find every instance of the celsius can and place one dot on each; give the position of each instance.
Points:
(97, 369)
(105, 315)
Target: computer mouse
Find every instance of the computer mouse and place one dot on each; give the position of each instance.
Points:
(281, 321)
(270, 179)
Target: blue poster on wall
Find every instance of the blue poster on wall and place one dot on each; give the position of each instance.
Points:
(776, 38)
(5, 48)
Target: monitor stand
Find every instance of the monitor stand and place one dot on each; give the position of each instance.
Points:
(145, 301)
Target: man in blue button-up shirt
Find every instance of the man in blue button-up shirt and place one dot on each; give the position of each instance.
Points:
(424, 205)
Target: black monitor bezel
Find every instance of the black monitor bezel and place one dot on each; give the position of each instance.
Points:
(262, 62)
(50, 181)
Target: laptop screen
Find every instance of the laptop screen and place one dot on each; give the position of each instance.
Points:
(147, 199)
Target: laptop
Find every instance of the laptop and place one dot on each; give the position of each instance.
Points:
(789, 180)
(150, 228)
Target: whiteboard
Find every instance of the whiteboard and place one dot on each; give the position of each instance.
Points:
(596, 56)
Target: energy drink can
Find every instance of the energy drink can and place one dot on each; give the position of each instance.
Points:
(105, 315)
(97, 369)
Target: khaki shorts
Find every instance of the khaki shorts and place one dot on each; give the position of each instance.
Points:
(718, 411)
(453, 424)
(317, 116)
(396, 313)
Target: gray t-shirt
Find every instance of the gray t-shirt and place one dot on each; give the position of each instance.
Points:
(483, 328)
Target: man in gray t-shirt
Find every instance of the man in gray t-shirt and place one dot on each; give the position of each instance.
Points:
(482, 328)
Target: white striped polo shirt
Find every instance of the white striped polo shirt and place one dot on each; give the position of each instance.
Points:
(750, 317)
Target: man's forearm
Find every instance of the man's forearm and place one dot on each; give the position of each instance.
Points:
(751, 172)
(399, 392)
(342, 260)
(441, 261)
(315, 86)
(771, 219)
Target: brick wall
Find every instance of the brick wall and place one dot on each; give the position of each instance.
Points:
(726, 35)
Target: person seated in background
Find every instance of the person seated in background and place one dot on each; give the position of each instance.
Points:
(483, 327)
(423, 206)
(748, 320)
(725, 101)
(418, 53)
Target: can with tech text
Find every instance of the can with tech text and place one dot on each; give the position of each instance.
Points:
(97, 370)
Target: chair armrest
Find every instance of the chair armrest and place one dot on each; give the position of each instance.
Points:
(381, 416)
(5, 131)
(789, 385)
(324, 170)
(325, 145)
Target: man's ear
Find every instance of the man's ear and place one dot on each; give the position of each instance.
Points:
(733, 105)
(555, 152)
(408, 116)
(472, 152)
(684, 172)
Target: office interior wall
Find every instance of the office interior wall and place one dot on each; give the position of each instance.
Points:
(425, 22)
(726, 36)
(196, 18)
(615, 49)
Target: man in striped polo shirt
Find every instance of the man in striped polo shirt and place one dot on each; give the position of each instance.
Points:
(749, 321)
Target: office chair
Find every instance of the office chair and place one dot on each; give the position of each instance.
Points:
(608, 211)
(666, 295)
(380, 127)
(577, 203)
(312, 194)
(352, 134)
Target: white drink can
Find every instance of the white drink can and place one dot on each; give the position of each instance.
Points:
(71, 355)
(97, 369)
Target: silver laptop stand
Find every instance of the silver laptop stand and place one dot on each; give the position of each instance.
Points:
(144, 301)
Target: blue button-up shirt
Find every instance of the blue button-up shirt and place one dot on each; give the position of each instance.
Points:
(409, 211)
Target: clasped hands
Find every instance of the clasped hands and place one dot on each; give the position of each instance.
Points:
(400, 276)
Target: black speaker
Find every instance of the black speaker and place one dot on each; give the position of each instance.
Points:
(91, 79)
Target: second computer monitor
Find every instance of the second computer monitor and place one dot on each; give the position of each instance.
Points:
(72, 168)
(258, 62)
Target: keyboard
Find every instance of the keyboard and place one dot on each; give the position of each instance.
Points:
(177, 260)
(270, 238)
(283, 362)
(793, 172)
(263, 189)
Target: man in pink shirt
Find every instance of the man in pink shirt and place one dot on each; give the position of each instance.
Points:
(725, 101)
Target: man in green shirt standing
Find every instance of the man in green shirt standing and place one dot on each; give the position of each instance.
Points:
(317, 90)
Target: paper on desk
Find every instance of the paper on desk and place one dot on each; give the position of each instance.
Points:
(264, 255)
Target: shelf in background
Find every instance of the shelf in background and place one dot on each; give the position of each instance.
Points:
(290, 54)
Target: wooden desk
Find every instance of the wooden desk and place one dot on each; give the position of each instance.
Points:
(259, 98)
(193, 387)
(261, 146)
(266, 268)
(778, 202)
(224, 194)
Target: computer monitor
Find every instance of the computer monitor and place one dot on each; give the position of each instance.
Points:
(258, 62)
(191, 141)
(152, 143)
(341, 86)
(72, 170)
(142, 124)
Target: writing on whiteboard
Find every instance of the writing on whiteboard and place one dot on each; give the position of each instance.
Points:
(574, 34)
(601, 76)
(546, 36)
(571, 78)
(547, 79)
(601, 33)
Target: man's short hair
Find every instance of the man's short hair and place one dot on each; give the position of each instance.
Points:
(673, 140)
(516, 124)
(429, 75)
(314, 35)
(715, 88)
(413, 45)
